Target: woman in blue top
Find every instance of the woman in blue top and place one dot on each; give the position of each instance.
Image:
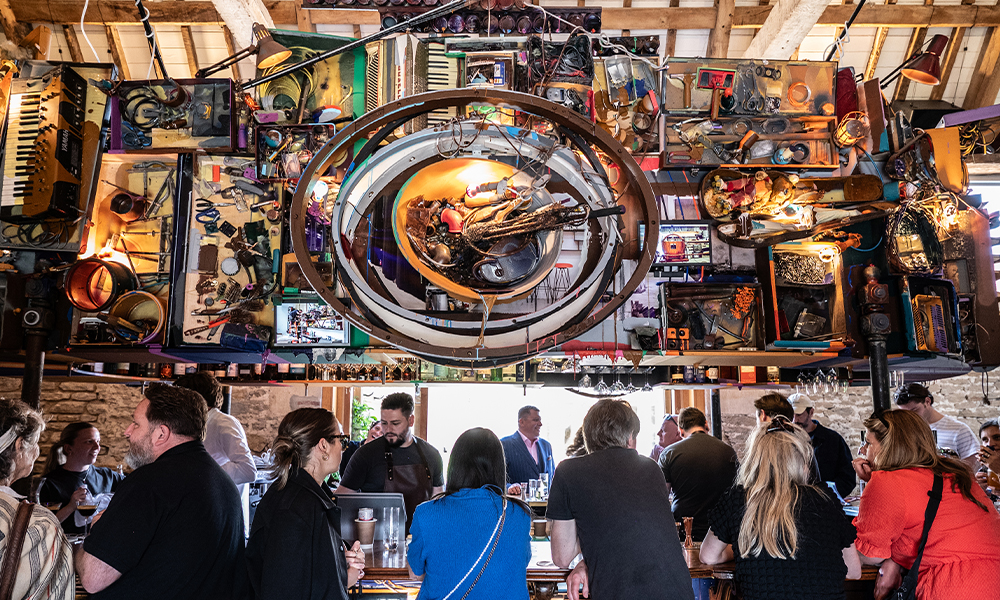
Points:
(471, 541)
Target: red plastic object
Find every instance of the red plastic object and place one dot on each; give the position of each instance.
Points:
(452, 219)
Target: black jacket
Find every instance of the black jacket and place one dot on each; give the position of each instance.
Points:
(295, 551)
(834, 458)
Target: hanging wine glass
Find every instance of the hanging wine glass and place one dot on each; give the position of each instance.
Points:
(618, 387)
(602, 388)
(802, 387)
(646, 387)
(585, 382)
(631, 387)
(817, 381)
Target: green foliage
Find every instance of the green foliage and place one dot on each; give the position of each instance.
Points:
(362, 418)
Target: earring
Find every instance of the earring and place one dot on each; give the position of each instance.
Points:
(326, 457)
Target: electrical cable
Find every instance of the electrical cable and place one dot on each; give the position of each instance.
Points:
(84, 31)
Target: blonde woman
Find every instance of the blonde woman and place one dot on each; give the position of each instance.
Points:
(962, 556)
(790, 540)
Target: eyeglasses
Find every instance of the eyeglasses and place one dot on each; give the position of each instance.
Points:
(344, 439)
(781, 423)
(671, 419)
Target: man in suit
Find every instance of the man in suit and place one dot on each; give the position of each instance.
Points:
(528, 456)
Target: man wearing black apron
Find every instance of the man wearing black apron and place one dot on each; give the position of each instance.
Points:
(398, 462)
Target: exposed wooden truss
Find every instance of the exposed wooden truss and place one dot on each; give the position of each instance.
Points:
(188, 12)
(73, 43)
(788, 23)
(718, 39)
(190, 51)
(117, 54)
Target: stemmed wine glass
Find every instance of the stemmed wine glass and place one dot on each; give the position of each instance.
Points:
(646, 387)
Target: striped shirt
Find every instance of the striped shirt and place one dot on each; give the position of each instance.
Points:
(45, 571)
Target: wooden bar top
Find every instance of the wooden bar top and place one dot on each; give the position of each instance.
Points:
(382, 564)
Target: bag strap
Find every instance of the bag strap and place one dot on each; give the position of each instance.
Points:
(496, 538)
(910, 581)
(12, 552)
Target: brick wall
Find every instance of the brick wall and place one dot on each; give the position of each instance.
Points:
(260, 409)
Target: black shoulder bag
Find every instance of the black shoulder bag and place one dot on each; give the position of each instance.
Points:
(908, 589)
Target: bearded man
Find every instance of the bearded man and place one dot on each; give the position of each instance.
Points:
(174, 528)
(396, 462)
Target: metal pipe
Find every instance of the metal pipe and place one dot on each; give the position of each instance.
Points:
(716, 413)
(878, 359)
(843, 32)
(34, 365)
(430, 15)
(227, 399)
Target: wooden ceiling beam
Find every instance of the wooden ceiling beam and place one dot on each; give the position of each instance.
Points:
(14, 28)
(718, 38)
(671, 47)
(188, 12)
(955, 42)
(189, 49)
(788, 23)
(231, 48)
(903, 83)
(117, 54)
(73, 43)
(985, 82)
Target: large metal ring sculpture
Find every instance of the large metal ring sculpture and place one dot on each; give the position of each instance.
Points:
(475, 210)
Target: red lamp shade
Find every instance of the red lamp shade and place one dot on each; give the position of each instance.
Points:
(926, 67)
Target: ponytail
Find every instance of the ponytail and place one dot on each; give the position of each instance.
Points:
(299, 432)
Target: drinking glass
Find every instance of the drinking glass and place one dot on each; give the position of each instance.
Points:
(391, 517)
(532, 489)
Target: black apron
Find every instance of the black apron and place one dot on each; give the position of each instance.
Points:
(413, 481)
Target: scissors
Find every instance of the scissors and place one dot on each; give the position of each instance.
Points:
(205, 205)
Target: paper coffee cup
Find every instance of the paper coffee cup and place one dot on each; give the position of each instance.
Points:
(366, 531)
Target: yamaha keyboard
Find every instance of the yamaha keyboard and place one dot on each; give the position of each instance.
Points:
(43, 147)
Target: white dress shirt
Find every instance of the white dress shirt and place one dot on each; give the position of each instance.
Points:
(226, 442)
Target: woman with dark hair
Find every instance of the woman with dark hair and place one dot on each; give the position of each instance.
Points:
(962, 556)
(790, 540)
(295, 551)
(70, 474)
(472, 539)
(45, 564)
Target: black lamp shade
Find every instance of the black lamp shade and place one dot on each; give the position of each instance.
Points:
(269, 52)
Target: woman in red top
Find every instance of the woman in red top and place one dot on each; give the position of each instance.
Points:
(962, 555)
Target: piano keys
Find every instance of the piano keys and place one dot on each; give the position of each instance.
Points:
(43, 146)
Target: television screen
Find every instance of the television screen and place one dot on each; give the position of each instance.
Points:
(309, 324)
(682, 243)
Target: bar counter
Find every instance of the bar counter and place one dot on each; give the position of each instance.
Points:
(382, 564)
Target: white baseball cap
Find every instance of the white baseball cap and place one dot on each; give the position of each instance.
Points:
(800, 402)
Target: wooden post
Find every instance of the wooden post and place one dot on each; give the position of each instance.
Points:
(231, 48)
(420, 414)
(718, 39)
(73, 43)
(916, 43)
(117, 54)
(12, 28)
(671, 45)
(189, 49)
(985, 81)
(343, 398)
(304, 20)
(788, 23)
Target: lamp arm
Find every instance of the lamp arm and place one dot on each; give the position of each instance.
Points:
(894, 74)
(226, 62)
(430, 15)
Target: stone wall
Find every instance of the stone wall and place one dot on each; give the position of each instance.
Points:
(959, 397)
(260, 409)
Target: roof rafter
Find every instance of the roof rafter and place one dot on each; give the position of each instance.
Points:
(788, 23)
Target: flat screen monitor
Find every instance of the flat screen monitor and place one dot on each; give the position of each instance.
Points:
(309, 324)
(682, 243)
